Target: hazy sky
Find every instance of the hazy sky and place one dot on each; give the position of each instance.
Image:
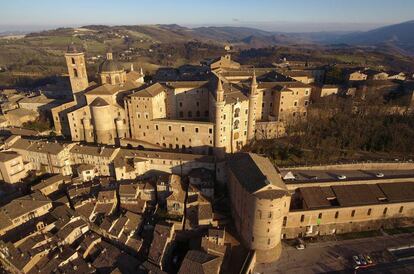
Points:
(288, 15)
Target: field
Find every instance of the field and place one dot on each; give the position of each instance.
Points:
(39, 55)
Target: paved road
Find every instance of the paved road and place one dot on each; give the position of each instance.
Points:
(334, 255)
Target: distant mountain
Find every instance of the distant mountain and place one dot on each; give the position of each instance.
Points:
(230, 34)
(399, 36)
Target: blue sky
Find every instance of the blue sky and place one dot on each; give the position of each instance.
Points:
(289, 15)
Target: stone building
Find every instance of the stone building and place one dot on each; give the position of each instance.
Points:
(22, 210)
(216, 115)
(96, 113)
(12, 168)
(357, 76)
(259, 203)
(43, 156)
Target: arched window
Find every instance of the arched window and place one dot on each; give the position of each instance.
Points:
(236, 124)
(236, 112)
(73, 61)
(190, 114)
(75, 72)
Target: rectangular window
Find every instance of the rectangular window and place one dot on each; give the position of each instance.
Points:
(210, 130)
(169, 128)
(336, 215)
(385, 211)
(401, 209)
(182, 129)
(302, 218)
(320, 216)
(284, 221)
(369, 212)
(196, 129)
(353, 213)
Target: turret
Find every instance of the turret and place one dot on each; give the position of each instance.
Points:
(251, 123)
(219, 109)
(219, 91)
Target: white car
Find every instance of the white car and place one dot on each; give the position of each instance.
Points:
(379, 175)
(341, 177)
(356, 260)
(300, 247)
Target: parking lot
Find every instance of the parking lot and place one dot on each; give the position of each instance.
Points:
(332, 256)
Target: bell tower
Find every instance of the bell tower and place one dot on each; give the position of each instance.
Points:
(75, 62)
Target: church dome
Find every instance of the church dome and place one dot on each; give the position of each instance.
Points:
(109, 66)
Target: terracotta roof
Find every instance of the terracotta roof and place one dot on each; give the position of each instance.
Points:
(51, 181)
(315, 197)
(8, 156)
(354, 195)
(200, 262)
(187, 84)
(162, 233)
(398, 192)
(149, 91)
(40, 99)
(99, 151)
(21, 206)
(254, 172)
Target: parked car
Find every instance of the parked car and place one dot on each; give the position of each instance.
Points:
(368, 259)
(300, 246)
(356, 260)
(379, 175)
(362, 260)
(341, 177)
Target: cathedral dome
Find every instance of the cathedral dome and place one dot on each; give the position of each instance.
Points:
(110, 66)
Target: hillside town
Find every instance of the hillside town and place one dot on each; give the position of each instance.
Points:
(152, 175)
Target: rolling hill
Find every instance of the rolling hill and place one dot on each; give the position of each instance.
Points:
(400, 36)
